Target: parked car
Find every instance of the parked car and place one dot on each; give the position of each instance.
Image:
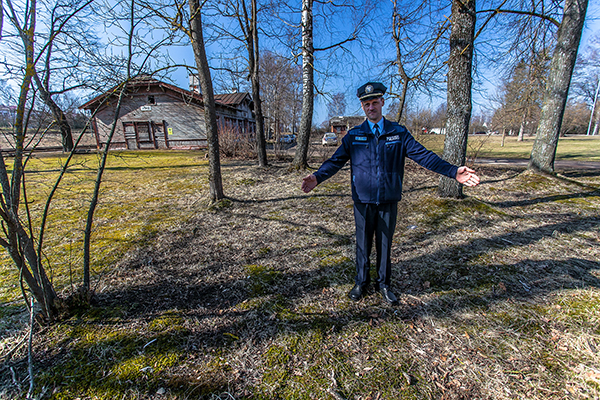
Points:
(329, 139)
(287, 138)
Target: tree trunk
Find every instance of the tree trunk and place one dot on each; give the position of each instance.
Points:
(208, 97)
(87, 235)
(521, 130)
(543, 152)
(58, 114)
(18, 243)
(1, 18)
(21, 249)
(401, 71)
(402, 99)
(301, 156)
(253, 67)
(459, 92)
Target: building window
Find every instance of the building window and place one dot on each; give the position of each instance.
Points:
(151, 100)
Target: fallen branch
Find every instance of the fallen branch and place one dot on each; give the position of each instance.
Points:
(30, 352)
(331, 390)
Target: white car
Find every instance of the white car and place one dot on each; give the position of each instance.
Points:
(329, 139)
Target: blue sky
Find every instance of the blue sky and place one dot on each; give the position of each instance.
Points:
(361, 63)
(362, 70)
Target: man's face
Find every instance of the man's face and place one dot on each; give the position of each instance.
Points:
(372, 108)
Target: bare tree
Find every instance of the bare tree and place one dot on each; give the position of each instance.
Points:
(308, 69)
(416, 45)
(281, 92)
(191, 24)
(586, 81)
(18, 241)
(60, 18)
(59, 115)
(337, 105)
(563, 61)
(308, 80)
(210, 115)
(460, 67)
(576, 118)
(404, 78)
(248, 22)
(59, 48)
(521, 94)
(121, 89)
(254, 68)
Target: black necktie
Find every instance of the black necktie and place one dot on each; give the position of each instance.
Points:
(376, 127)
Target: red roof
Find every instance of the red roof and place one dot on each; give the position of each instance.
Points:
(232, 99)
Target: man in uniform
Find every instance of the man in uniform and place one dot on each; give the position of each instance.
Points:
(377, 149)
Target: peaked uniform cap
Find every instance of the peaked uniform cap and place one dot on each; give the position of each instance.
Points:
(371, 90)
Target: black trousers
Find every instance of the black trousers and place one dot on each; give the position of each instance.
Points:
(380, 220)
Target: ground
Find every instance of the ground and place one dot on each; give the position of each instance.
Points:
(499, 298)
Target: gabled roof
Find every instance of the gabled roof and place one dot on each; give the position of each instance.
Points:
(344, 120)
(232, 99)
(148, 81)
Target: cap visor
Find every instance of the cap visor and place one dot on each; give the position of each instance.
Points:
(369, 96)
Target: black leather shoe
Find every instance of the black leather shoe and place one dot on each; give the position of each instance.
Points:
(356, 293)
(388, 296)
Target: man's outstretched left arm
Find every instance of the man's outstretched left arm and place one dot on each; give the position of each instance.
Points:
(467, 176)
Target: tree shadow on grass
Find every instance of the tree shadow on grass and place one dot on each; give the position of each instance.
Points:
(457, 268)
(581, 173)
(172, 310)
(179, 319)
(546, 199)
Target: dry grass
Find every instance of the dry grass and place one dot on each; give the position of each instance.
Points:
(500, 293)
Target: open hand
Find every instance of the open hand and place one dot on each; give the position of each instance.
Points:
(467, 176)
(309, 183)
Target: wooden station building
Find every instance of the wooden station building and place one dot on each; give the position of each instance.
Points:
(158, 115)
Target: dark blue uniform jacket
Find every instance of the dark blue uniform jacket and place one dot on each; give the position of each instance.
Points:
(377, 165)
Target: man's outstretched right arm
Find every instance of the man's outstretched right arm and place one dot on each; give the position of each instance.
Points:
(309, 183)
(329, 168)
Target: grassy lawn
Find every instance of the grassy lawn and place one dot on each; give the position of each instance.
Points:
(499, 292)
(139, 193)
(582, 148)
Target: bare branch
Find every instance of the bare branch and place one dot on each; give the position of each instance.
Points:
(518, 12)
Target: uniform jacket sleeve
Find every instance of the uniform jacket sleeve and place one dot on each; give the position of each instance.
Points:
(335, 163)
(427, 158)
